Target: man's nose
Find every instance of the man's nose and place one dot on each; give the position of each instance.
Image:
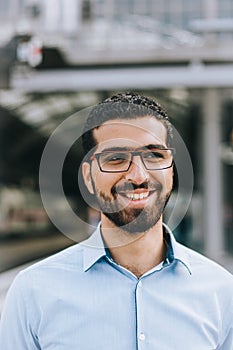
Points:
(137, 172)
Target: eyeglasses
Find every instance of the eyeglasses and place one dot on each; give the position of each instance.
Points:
(120, 161)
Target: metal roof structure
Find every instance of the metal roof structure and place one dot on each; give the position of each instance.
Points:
(192, 76)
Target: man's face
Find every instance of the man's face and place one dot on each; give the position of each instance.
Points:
(133, 200)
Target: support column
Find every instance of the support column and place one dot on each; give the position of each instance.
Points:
(210, 9)
(52, 10)
(71, 16)
(213, 223)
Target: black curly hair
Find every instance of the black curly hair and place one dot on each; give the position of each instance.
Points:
(126, 105)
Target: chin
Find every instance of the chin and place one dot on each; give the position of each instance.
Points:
(140, 223)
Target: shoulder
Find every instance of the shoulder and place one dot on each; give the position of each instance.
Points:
(200, 267)
(65, 260)
(205, 269)
(64, 267)
(45, 277)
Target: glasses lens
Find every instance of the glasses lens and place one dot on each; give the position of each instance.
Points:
(114, 161)
(120, 161)
(157, 159)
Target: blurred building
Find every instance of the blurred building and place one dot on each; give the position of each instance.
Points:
(181, 51)
(176, 12)
(57, 33)
(71, 13)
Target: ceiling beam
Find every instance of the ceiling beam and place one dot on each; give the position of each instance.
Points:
(193, 76)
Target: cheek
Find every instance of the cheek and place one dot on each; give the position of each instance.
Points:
(169, 179)
(104, 181)
(164, 177)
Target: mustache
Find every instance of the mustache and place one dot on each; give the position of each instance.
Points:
(127, 186)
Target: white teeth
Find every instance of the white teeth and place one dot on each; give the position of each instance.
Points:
(136, 196)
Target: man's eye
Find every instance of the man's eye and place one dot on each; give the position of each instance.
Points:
(115, 158)
(153, 155)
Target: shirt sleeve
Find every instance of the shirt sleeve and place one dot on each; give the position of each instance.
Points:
(16, 331)
(227, 343)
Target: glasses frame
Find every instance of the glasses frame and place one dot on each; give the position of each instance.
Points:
(133, 154)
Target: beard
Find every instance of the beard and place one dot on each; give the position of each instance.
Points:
(133, 220)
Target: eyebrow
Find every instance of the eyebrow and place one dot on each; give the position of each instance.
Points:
(152, 146)
(122, 149)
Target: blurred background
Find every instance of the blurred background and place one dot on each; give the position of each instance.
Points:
(60, 56)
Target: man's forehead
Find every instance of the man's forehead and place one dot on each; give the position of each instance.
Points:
(125, 134)
(143, 127)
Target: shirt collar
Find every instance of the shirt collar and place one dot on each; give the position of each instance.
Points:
(176, 251)
(94, 250)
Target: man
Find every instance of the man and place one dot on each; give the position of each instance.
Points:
(130, 285)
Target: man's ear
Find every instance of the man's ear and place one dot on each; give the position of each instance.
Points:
(86, 171)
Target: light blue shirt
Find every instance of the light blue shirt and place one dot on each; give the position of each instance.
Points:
(79, 299)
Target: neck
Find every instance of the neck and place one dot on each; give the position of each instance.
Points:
(137, 252)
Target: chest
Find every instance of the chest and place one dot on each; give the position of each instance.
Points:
(127, 314)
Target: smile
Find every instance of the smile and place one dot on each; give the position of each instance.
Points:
(135, 196)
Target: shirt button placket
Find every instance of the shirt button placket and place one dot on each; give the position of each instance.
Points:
(141, 336)
(140, 324)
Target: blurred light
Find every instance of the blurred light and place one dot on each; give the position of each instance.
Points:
(179, 94)
(12, 99)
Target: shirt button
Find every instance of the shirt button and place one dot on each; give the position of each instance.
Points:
(139, 283)
(142, 336)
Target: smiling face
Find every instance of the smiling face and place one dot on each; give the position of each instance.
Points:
(133, 200)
